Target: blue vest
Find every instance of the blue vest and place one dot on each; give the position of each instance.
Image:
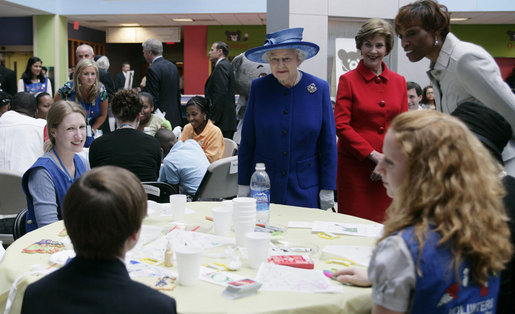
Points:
(35, 87)
(61, 184)
(437, 289)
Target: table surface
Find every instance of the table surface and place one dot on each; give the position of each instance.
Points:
(206, 297)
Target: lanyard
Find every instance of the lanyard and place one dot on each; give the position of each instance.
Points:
(60, 162)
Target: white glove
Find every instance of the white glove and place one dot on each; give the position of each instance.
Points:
(243, 190)
(326, 199)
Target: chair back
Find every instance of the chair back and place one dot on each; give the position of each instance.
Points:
(220, 180)
(12, 201)
(159, 191)
(230, 148)
(19, 224)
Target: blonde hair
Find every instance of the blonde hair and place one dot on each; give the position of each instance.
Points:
(372, 28)
(59, 110)
(452, 181)
(95, 89)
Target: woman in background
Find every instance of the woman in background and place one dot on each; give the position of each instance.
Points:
(428, 98)
(446, 237)
(32, 80)
(368, 99)
(46, 182)
(87, 90)
(44, 101)
(201, 129)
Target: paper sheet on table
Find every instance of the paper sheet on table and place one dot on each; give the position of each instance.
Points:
(141, 269)
(363, 230)
(221, 278)
(300, 224)
(285, 278)
(163, 209)
(358, 254)
(178, 238)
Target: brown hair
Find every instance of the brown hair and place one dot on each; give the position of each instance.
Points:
(428, 14)
(58, 111)
(372, 28)
(102, 209)
(452, 181)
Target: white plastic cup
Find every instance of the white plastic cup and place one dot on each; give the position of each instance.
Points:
(244, 202)
(227, 203)
(222, 217)
(188, 264)
(178, 203)
(258, 244)
(241, 228)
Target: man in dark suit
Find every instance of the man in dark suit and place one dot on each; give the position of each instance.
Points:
(163, 82)
(125, 79)
(7, 78)
(220, 90)
(102, 211)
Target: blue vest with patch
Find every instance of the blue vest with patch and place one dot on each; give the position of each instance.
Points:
(61, 184)
(437, 289)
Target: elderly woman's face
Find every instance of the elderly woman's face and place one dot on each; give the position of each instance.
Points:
(417, 43)
(284, 63)
(373, 51)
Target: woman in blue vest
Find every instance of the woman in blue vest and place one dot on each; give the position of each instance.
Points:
(87, 90)
(32, 80)
(446, 238)
(46, 182)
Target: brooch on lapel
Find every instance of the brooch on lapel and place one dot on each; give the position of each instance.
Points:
(312, 88)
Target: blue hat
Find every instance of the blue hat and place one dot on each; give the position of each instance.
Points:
(290, 38)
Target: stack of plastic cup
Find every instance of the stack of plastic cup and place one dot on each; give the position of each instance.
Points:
(244, 218)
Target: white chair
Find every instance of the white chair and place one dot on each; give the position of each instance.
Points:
(220, 181)
(230, 148)
(12, 200)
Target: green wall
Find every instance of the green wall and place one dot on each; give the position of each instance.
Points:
(53, 51)
(250, 36)
(494, 38)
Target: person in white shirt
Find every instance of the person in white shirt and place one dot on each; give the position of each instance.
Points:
(21, 135)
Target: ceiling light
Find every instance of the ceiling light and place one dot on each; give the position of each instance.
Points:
(130, 24)
(182, 20)
(459, 19)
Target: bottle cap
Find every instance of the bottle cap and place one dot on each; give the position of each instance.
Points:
(260, 166)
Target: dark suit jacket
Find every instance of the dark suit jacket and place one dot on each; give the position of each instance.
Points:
(220, 89)
(119, 81)
(106, 79)
(163, 84)
(8, 80)
(84, 286)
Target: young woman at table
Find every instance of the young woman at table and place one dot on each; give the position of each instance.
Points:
(446, 237)
(47, 181)
(87, 90)
(32, 80)
(201, 129)
(103, 212)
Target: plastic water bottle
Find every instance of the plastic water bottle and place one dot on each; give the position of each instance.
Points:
(260, 190)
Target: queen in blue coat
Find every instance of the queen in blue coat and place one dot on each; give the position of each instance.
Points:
(289, 126)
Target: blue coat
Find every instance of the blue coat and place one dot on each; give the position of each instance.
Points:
(292, 131)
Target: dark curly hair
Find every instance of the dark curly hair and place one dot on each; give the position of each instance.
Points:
(204, 104)
(428, 14)
(126, 105)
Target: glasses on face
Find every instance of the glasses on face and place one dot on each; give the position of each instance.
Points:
(429, 93)
(275, 60)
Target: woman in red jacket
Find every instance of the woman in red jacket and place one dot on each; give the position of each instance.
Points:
(368, 99)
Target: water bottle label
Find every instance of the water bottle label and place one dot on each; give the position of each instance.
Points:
(262, 199)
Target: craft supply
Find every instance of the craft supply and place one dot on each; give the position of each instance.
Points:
(168, 255)
(44, 246)
(298, 261)
(241, 288)
(165, 283)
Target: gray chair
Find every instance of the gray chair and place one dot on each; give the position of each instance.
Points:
(220, 181)
(12, 201)
(230, 148)
(159, 191)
